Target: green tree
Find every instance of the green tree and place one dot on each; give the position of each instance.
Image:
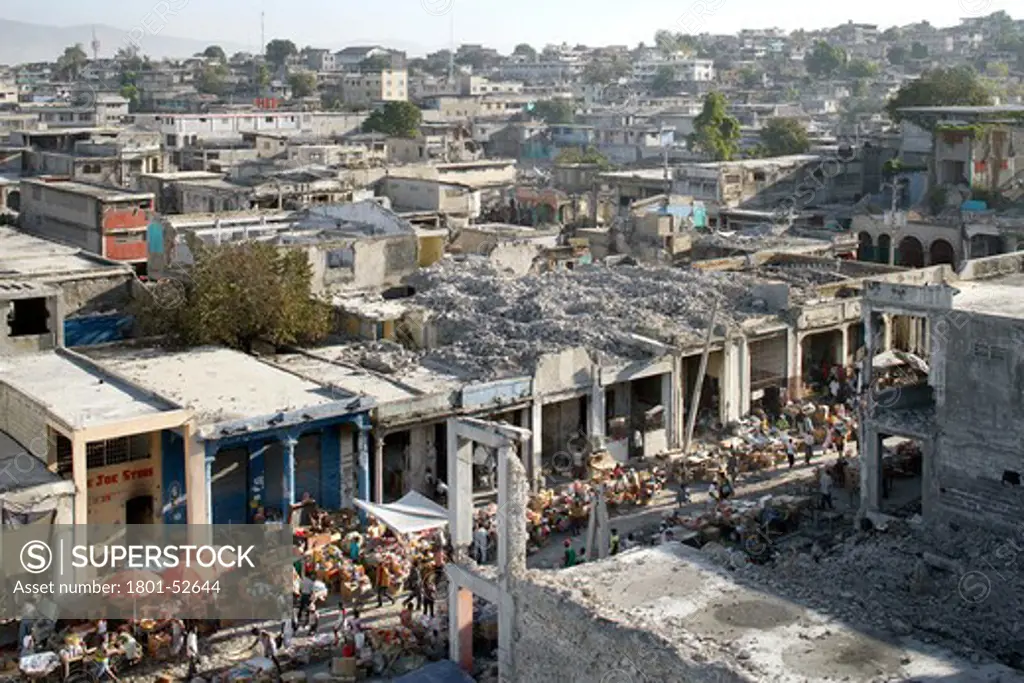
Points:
(715, 133)
(131, 93)
(859, 87)
(918, 51)
(861, 68)
(940, 87)
(213, 79)
(998, 69)
(525, 50)
(262, 76)
(588, 156)
(897, 55)
(664, 83)
(750, 77)
(824, 60)
(890, 34)
(237, 295)
(72, 62)
(397, 119)
(554, 111)
(215, 52)
(782, 136)
(279, 50)
(303, 84)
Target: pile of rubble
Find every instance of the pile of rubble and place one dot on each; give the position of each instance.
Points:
(492, 324)
(955, 587)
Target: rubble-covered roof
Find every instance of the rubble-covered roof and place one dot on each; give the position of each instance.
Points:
(491, 324)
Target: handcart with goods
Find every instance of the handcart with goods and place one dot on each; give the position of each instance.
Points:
(41, 667)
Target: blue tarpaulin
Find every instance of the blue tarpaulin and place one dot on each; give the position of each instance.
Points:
(97, 329)
(445, 671)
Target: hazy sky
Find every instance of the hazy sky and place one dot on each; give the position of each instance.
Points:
(427, 23)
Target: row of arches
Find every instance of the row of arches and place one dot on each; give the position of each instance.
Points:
(910, 253)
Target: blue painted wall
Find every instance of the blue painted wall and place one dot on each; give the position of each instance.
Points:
(155, 238)
(257, 475)
(330, 467)
(174, 506)
(97, 329)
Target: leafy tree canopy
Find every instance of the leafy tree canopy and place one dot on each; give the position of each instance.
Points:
(664, 82)
(215, 52)
(236, 295)
(279, 50)
(824, 60)
(525, 50)
(715, 133)
(303, 84)
(940, 87)
(861, 68)
(554, 111)
(397, 119)
(782, 136)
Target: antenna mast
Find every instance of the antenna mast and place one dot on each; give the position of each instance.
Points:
(95, 45)
(263, 34)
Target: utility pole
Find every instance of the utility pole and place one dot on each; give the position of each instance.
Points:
(451, 49)
(665, 169)
(263, 34)
(691, 419)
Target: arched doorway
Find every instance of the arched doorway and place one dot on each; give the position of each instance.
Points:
(14, 200)
(865, 247)
(941, 251)
(910, 253)
(884, 248)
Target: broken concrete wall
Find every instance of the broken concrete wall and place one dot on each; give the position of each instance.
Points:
(982, 418)
(558, 639)
(24, 421)
(563, 371)
(516, 258)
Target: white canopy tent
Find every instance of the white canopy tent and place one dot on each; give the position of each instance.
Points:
(411, 514)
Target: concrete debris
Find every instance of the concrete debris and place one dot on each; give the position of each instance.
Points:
(885, 581)
(491, 324)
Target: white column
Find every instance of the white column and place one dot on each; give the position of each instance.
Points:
(536, 460)
(596, 428)
(460, 486)
(844, 345)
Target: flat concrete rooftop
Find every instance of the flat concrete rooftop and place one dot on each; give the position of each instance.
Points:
(219, 385)
(678, 593)
(1003, 297)
(350, 379)
(25, 256)
(77, 394)
(100, 192)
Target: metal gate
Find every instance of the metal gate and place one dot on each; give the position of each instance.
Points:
(769, 361)
(307, 467)
(230, 486)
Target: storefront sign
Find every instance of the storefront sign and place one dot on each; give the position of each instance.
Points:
(101, 480)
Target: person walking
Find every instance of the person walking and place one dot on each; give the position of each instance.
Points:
(383, 585)
(790, 451)
(808, 447)
(481, 539)
(192, 652)
(826, 490)
(268, 646)
(429, 596)
(414, 584)
(615, 543)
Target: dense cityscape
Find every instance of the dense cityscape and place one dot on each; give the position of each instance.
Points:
(691, 360)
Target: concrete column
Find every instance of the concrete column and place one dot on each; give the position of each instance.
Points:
(798, 377)
(596, 425)
(288, 477)
(363, 468)
(209, 487)
(844, 346)
(668, 405)
(196, 509)
(535, 462)
(378, 469)
(460, 487)
(793, 363)
(744, 377)
(887, 326)
(80, 472)
(460, 628)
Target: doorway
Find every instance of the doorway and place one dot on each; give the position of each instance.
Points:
(139, 510)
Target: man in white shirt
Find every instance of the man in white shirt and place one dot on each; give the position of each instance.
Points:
(192, 652)
(28, 644)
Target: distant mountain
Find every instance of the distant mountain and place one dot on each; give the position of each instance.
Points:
(37, 43)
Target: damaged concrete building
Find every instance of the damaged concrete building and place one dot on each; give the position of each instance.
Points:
(963, 410)
(600, 353)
